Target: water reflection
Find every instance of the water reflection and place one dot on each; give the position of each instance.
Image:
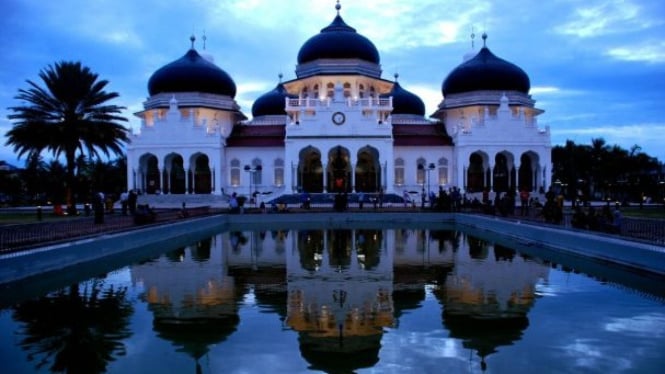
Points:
(193, 300)
(78, 329)
(341, 291)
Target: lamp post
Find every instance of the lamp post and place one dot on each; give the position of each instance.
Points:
(250, 171)
(427, 169)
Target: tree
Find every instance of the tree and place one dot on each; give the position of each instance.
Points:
(68, 116)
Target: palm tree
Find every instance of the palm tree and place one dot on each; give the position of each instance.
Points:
(69, 116)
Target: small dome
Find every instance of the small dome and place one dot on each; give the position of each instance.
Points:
(338, 40)
(272, 102)
(405, 102)
(485, 71)
(191, 73)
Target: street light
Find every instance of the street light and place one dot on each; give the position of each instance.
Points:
(251, 170)
(429, 168)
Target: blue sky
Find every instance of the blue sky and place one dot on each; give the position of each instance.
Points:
(597, 67)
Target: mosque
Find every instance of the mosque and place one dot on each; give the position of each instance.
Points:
(339, 127)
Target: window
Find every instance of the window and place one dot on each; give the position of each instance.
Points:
(399, 171)
(347, 89)
(235, 172)
(305, 92)
(330, 87)
(443, 171)
(257, 172)
(279, 172)
(421, 165)
(315, 91)
(361, 91)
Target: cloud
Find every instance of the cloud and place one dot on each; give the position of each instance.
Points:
(606, 17)
(652, 52)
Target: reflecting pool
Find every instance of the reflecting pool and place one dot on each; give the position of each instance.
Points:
(346, 300)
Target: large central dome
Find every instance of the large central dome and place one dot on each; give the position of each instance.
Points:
(338, 41)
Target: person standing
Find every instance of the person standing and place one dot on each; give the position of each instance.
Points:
(124, 196)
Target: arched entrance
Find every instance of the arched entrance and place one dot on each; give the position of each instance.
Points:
(202, 177)
(501, 173)
(526, 171)
(368, 171)
(310, 170)
(475, 175)
(152, 180)
(175, 172)
(339, 170)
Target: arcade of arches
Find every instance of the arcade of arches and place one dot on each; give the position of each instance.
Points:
(502, 175)
(175, 177)
(340, 175)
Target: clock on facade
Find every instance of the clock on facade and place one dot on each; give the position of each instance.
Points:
(338, 118)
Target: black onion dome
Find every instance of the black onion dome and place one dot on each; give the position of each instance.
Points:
(405, 102)
(338, 40)
(485, 71)
(191, 73)
(272, 102)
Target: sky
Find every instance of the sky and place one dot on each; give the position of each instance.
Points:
(597, 67)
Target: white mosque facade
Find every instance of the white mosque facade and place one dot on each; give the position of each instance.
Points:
(338, 126)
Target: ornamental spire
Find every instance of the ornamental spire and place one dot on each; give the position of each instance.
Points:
(338, 6)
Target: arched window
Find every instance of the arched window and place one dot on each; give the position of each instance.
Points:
(279, 172)
(372, 91)
(420, 174)
(361, 90)
(330, 88)
(315, 91)
(305, 92)
(347, 89)
(399, 171)
(443, 171)
(235, 172)
(257, 174)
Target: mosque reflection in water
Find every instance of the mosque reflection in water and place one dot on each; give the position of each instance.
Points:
(341, 289)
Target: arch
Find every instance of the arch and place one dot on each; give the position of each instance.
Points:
(339, 170)
(310, 170)
(315, 91)
(330, 90)
(475, 174)
(151, 182)
(361, 90)
(305, 92)
(367, 170)
(174, 174)
(503, 175)
(528, 171)
(202, 177)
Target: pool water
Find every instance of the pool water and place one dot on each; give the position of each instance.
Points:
(414, 300)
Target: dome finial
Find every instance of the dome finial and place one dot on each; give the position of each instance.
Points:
(484, 39)
(192, 39)
(473, 36)
(396, 76)
(338, 6)
(204, 37)
(280, 77)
